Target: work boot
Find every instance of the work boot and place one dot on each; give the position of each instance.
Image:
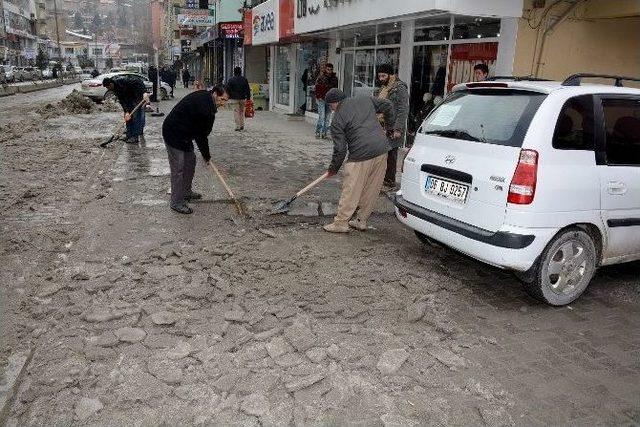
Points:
(193, 196)
(182, 208)
(132, 140)
(358, 224)
(336, 227)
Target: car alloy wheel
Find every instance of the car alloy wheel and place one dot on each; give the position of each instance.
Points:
(565, 268)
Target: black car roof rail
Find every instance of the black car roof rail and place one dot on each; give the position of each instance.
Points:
(518, 78)
(576, 79)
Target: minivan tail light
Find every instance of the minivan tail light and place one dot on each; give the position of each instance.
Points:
(94, 84)
(523, 185)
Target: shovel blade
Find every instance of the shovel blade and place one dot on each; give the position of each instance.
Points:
(282, 207)
(107, 142)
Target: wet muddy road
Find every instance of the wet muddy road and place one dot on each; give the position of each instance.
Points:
(136, 315)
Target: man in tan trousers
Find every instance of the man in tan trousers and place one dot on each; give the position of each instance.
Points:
(356, 130)
(239, 92)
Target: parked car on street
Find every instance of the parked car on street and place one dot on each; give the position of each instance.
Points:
(92, 88)
(538, 177)
(47, 74)
(9, 72)
(34, 73)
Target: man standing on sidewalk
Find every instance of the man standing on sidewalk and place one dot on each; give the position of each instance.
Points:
(396, 91)
(239, 93)
(326, 81)
(356, 130)
(191, 119)
(130, 91)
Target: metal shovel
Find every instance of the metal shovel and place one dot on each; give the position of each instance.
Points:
(122, 125)
(284, 205)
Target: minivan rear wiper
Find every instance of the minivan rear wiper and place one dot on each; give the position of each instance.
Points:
(454, 133)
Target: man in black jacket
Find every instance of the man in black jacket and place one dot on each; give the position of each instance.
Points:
(191, 119)
(239, 93)
(130, 91)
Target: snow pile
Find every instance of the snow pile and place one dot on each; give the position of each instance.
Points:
(111, 106)
(76, 103)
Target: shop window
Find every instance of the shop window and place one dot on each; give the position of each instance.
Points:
(389, 38)
(475, 28)
(622, 125)
(574, 128)
(283, 75)
(310, 59)
(68, 50)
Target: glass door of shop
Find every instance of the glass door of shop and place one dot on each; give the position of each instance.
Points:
(360, 69)
(428, 82)
(282, 73)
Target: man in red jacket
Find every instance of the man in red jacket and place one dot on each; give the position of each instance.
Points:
(326, 81)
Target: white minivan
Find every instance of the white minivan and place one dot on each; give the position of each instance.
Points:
(538, 177)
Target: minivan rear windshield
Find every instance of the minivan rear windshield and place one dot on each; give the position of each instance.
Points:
(492, 116)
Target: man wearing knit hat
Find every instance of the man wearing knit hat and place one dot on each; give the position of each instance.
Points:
(356, 131)
(396, 91)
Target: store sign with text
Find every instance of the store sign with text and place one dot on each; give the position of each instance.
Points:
(195, 18)
(318, 15)
(265, 25)
(230, 30)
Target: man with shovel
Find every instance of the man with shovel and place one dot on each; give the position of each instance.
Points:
(190, 120)
(130, 91)
(356, 130)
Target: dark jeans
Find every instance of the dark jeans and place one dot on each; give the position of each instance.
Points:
(135, 126)
(392, 165)
(183, 166)
(185, 83)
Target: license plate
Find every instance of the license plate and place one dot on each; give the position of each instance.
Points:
(447, 189)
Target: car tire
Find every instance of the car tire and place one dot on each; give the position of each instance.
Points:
(163, 94)
(564, 270)
(109, 96)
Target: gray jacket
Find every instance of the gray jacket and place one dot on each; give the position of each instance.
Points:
(355, 129)
(399, 97)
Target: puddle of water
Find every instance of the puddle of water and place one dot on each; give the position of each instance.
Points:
(139, 161)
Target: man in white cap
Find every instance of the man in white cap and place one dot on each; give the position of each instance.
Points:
(356, 131)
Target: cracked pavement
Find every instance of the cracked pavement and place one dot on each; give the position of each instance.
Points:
(139, 316)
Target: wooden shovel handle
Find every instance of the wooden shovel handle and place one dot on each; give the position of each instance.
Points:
(313, 184)
(226, 187)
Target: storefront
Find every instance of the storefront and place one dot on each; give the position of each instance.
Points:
(271, 24)
(432, 49)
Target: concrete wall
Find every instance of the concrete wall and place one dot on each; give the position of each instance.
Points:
(581, 43)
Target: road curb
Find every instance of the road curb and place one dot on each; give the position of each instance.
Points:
(34, 87)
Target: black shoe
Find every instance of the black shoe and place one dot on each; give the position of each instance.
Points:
(183, 209)
(133, 140)
(193, 196)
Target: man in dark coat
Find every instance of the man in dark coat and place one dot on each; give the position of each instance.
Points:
(239, 93)
(190, 120)
(396, 91)
(153, 77)
(130, 91)
(186, 77)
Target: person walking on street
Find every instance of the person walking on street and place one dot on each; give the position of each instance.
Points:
(396, 91)
(153, 77)
(186, 77)
(172, 75)
(239, 94)
(356, 130)
(190, 120)
(130, 91)
(326, 81)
